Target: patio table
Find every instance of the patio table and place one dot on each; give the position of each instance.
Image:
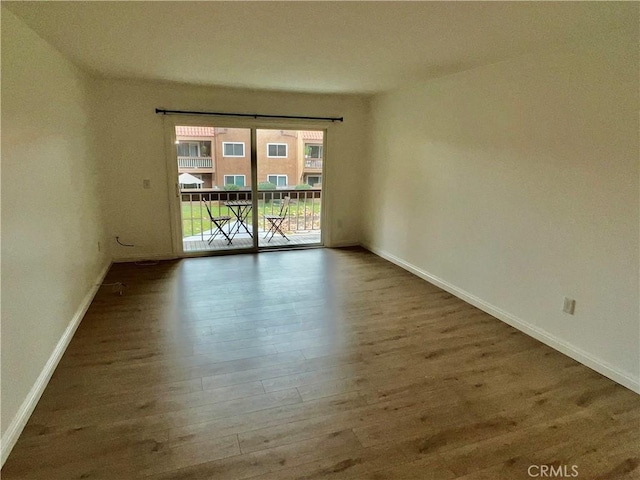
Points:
(241, 210)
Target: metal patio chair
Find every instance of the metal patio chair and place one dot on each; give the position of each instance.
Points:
(219, 222)
(276, 220)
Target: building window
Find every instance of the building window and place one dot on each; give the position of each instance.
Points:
(233, 149)
(313, 151)
(314, 179)
(188, 149)
(276, 150)
(234, 180)
(277, 180)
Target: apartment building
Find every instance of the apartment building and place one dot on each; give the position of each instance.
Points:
(221, 156)
(195, 149)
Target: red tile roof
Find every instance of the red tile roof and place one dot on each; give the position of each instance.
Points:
(312, 135)
(195, 131)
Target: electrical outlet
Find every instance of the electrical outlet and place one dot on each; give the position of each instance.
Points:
(146, 183)
(569, 305)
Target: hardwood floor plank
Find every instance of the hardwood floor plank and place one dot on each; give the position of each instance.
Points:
(280, 415)
(387, 412)
(271, 460)
(76, 395)
(472, 457)
(356, 464)
(133, 460)
(422, 469)
(604, 455)
(204, 413)
(119, 411)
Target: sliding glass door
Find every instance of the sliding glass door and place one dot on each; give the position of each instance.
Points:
(247, 189)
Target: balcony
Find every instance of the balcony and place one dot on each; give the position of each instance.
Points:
(301, 224)
(195, 162)
(313, 164)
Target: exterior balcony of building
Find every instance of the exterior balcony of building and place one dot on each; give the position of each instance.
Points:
(195, 162)
(313, 165)
(300, 225)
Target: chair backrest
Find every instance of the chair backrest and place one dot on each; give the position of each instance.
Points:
(208, 209)
(284, 208)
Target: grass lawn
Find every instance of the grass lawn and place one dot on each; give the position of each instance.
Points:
(195, 218)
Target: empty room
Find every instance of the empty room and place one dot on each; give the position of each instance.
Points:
(320, 240)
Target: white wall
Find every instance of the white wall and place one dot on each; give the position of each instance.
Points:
(51, 218)
(516, 184)
(132, 148)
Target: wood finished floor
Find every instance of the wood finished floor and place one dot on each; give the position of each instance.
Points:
(316, 364)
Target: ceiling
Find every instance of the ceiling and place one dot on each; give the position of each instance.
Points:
(328, 47)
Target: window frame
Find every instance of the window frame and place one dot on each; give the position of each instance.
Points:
(286, 150)
(224, 153)
(244, 180)
(320, 150)
(182, 143)
(319, 177)
(286, 179)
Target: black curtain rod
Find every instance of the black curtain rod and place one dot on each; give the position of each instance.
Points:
(250, 115)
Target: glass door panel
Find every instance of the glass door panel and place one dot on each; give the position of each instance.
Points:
(214, 181)
(289, 189)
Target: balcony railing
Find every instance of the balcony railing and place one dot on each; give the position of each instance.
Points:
(313, 163)
(303, 214)
(195, 162)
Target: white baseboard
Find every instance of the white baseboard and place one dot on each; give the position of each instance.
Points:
(545, 337)
(18, 423)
